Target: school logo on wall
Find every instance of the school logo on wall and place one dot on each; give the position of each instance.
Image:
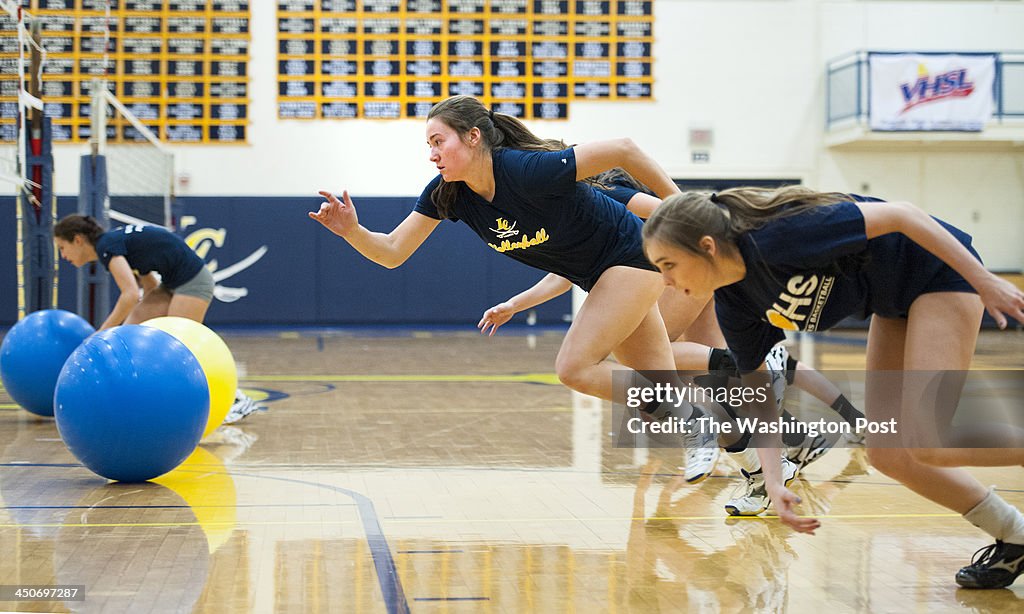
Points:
(918, 91)
(202, 240)
(799, 306)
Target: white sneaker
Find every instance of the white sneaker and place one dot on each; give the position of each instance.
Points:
(242, 407)
(754, 498)
(701, 455)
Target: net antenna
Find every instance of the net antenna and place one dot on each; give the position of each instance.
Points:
(140, 167)
(18, 175)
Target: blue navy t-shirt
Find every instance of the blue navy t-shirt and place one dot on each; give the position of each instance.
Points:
(620, 192)
(151, 248)
(543, 217)
(809, 271)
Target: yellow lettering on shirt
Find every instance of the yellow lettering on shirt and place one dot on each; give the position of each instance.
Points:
(507, 246)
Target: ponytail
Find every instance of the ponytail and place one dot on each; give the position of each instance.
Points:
(71, 225)
(683, 219)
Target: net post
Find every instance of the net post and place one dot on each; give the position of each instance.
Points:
(39, 208)
(37, 203)
(93, 285)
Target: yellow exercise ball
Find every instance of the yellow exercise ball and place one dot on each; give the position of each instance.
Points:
(214, 357)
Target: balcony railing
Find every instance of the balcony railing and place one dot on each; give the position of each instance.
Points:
(848, 96)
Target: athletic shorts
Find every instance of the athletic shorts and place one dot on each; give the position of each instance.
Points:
(200, 286)
(637, 262)
(948, 280)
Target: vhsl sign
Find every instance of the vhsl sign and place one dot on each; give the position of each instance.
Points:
(931, 92)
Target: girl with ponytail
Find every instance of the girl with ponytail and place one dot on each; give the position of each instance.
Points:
(173, 280)
(800, 260)
(526, 198)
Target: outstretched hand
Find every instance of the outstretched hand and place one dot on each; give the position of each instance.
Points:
(495, 317)
(338, 216)
(1002, 297)
(785, 501)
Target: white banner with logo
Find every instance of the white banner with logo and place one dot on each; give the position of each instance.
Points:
(911, 91)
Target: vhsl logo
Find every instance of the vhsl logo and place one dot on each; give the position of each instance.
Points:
(504, 231)
(951, 84)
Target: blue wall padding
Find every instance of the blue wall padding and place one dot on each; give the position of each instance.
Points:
(311, 277)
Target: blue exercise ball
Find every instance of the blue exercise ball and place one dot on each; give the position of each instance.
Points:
(33, 352)
(131, 403)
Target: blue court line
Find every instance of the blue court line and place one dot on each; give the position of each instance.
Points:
(41, 465)
(383, 562)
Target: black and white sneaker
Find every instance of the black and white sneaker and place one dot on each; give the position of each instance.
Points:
(806, 455)
(242, 407)
(994, 566)
(754, 499)
(776, 361)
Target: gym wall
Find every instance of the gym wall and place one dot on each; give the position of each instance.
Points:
(752, 71)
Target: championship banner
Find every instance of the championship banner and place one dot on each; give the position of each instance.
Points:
(912, 91)
(393, 59)
(180, 66)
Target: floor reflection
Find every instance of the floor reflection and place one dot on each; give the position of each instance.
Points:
(453, 473)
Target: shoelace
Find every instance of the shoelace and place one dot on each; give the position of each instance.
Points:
(986, 555)
(749, 475)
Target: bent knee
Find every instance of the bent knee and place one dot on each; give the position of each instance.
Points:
(937, 457)
(893, 462)
(570, 374)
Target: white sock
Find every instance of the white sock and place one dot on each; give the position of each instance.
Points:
(998, 518)
(747, 459)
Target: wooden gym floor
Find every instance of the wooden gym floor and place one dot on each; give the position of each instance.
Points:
(448, 472)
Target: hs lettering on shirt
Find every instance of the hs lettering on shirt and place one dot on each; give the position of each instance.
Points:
(799, 306)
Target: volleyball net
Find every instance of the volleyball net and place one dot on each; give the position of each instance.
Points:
(139, 166)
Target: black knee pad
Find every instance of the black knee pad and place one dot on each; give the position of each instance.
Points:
(740, 445)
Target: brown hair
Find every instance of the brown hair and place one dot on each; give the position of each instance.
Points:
(72, 225)
(682, 219)
(618, 176)
(497, 130)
